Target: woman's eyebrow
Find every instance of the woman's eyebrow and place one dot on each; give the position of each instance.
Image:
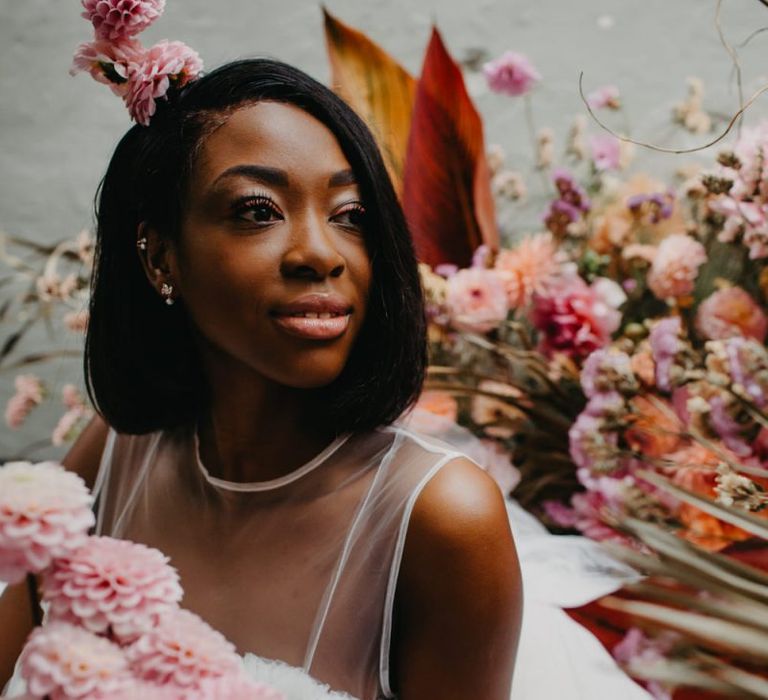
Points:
(342, 178)
(260, 173)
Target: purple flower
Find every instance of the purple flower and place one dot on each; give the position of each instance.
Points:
(655, 207)
(560, 215)
(727, 427)
(569, 190)
(592, 445)
(511, 74)
(665, 345)
(607, 370)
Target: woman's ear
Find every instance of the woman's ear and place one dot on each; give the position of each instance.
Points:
(158, 259)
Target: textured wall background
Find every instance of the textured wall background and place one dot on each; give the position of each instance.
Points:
(57, 132)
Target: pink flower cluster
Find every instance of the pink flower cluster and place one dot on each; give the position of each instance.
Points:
(676, 266)
(29, 394)
(115, 57)
(511, 73)
(574, 318)
(45, 513)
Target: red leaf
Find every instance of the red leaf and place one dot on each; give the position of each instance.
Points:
(446, 191)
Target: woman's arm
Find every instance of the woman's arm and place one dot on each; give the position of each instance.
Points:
(15, 615)
(459, 597)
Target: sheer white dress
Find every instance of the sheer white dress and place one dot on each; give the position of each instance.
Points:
(300, 572)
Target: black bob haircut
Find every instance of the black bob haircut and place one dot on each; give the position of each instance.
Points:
(142, 369)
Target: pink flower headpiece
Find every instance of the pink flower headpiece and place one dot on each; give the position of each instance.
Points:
(116, 58)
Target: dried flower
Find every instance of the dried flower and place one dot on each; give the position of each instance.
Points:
(77, 321)
(738, 491)
(511, 73)
(510, 185)
(527, 268)
(45, 512)
(576, 145)
(604, 97)
(62, 661)
(29, 393)
(607, 370)
(112, 587)
(118, 19)
(476, 300)
(676, 266)
(495, 157)
(165, 63)
(665, 347)
(689, 113)
(654, 432)
(728, 312)
(545, 148)
(606, 152)
(183, 651)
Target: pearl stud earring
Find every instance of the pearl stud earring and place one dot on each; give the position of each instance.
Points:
(166, 290)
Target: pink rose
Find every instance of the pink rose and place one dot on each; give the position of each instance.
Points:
(729, 312)
(512, 74)
(476, 300)
(676, 266)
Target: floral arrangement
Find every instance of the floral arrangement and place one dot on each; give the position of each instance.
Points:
(113, 627)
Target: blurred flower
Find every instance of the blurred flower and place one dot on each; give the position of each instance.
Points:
(576, 145)
(652, 208)
(511, 73)
(495, 157)
(476, 300)
(545, 148)
(67, 426)
(728, 312)
(45, 512)
(112, 587)
(499, 466)
(738, 491)
(560, 216)
(689, 112)
(526, 268)
(510, 185)
(607, 370)
(77, 321)
(183, 651)
(636, 652)
(117, 19)
(606, 152)
(29, 393)
(654, 432)
(569, 190)
(62, 661)
(676, 266)
(576, 319)
(644, 367)
(440, 403)
(593, 445)
(740, 364)
(489, 411)
(665, 346)
(149, 79)
(605, 97)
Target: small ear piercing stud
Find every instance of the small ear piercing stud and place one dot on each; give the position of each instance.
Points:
(166, 290)
(142, 243)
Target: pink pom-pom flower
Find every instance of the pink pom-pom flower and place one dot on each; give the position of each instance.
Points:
(112, 587)
(62, 661)
(118, 19)
(183, 651)
(676, 266)
(476, 299)
(107, 62)
(166, 63)
(511, 73)
(45, 512)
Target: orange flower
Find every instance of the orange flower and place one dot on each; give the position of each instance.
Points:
(654, 432)
(440, 403)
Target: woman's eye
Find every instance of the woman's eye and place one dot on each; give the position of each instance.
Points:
(259, 210)
(352, 215)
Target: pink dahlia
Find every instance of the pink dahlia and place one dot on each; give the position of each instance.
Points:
(118, 19)
(166, 63)
(576, 319)
(29, 393)
(236, 687)
(512, 74)
(62, 661)
(112, 587)
(476, 300)
(45, 512)
(107, 62)
(527, 268)
(729, 312)
(183, 651)
(676, 266)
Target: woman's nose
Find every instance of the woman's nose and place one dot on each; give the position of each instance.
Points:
(311, 251)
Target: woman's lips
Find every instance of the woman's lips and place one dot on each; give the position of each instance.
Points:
(316, 328)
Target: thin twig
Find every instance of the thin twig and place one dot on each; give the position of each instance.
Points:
(662, 149)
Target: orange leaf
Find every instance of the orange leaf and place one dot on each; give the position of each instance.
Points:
(446, 190)
(378, 88)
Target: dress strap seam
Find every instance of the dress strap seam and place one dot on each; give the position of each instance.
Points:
(330, 591)
(389, 599)
(419, 440)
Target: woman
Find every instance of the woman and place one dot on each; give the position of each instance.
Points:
(256, 333)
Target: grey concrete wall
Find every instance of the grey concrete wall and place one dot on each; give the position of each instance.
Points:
(57, 132)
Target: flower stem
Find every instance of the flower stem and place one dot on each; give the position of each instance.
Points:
(34, 601)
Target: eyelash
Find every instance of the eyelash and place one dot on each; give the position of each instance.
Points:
(259, 200)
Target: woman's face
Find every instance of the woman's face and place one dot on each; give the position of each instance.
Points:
(271, 264)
